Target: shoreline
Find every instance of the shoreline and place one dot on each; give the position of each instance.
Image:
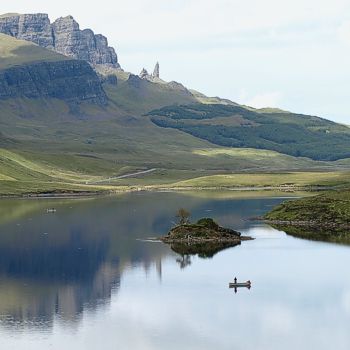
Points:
(83, 194)
(316, 225)
(203, 240)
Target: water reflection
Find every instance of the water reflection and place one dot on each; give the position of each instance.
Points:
(60, 264)
(80, 276)
(332, 235)
(203, 250)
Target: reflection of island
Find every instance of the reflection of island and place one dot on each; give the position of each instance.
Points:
(203, 250)
(60, 265)
(204, 238)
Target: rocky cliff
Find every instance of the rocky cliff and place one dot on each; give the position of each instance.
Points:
(69, 80)
(63, 36)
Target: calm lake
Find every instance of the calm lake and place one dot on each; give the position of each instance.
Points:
(83, 278)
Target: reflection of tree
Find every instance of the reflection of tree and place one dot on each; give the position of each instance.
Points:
(88, 244)
(184, 261)
(203, 250)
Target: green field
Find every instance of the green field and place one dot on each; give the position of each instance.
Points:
(29, 173)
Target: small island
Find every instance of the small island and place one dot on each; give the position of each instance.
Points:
(205, 230)
(204, 238)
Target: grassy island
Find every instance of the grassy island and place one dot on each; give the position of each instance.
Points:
(203, 231)
(204, 238)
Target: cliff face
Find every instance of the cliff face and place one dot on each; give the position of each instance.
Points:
(63, 36)
(70, 80)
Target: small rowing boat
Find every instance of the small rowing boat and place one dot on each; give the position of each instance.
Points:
(247, 284)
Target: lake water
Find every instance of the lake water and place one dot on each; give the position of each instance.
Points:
(83, 278)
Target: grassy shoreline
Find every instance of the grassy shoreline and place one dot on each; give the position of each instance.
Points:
(324, 217)
(160, 188)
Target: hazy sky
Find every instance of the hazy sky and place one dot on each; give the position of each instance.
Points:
(292, 54)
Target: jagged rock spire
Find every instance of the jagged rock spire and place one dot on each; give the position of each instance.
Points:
(156, 71)
(144, 74)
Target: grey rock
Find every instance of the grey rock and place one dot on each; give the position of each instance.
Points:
(63, 36)
(156, 71)
(31, 27)
(144, 74)
(70, 80)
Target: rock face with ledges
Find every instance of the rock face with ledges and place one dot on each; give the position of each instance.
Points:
(70, 80)
(63, 36)
(35, 28)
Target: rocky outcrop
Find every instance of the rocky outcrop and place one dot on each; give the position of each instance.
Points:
(144, 74)
(63, 36)
(205, 230)
(69, 80)
(154, 77)
(156, 71)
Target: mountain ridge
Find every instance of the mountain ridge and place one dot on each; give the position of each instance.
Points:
(63, 36)
(96, 119)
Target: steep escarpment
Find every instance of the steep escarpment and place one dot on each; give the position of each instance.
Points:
(70, 80)
(63, 36)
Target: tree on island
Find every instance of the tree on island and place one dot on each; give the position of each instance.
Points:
(183, 216)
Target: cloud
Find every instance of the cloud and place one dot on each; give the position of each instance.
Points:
(265, 99)
(344, 32)
(296, 48)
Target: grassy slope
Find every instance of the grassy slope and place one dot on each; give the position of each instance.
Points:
(325, 208)
(237, 126)
(287, 180)
(19, 175)
(17, 52)
(45, 146)
(324, 217)
(147, 96)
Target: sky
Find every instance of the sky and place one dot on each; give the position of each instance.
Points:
(291, 54)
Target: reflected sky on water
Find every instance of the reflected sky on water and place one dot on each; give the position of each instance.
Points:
(83, 278)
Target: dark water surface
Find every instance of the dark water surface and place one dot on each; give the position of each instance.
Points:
(81, 278)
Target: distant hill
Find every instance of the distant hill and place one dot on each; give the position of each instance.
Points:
(66, 121)
(236, 126)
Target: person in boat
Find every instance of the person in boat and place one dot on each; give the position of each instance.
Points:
(235, 280)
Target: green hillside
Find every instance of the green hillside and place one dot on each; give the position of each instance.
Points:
(236, 126)
(16, 52)
(49, 144)
(138, 96)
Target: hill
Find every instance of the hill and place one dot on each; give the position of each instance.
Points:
(80, 126)
(236, 126)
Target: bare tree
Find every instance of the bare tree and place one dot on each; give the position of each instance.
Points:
(183, 216)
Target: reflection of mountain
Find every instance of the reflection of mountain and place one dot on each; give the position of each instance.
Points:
(64, 263)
